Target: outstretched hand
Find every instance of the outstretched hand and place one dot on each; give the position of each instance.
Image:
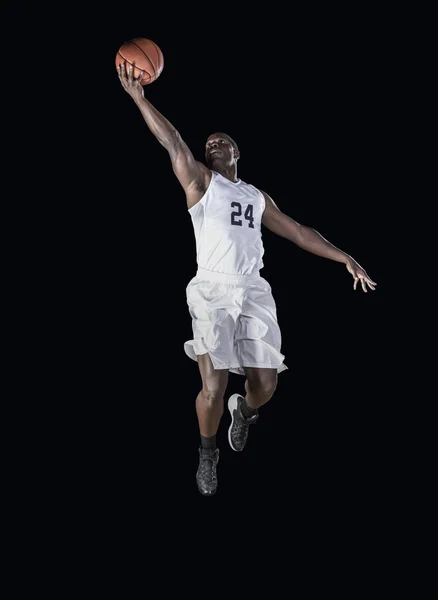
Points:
(129, 83)
(360, 274)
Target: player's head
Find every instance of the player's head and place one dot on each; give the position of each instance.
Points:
(222, 149)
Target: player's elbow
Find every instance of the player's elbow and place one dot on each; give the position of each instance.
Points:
(168, 139)
(300, 234)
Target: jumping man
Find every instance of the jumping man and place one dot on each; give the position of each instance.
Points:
(233, 312)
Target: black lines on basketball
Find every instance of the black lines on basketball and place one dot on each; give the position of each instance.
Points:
(158, 53)
(133, 64)
(140, 48)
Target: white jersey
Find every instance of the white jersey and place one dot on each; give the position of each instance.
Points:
(227, 224)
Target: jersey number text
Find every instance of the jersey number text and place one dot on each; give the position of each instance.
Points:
(238, 213)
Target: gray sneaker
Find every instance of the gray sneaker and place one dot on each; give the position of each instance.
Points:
(238, 431)
(206, 477)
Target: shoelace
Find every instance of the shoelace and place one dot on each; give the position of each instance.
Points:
(240, 426)
(208, 471)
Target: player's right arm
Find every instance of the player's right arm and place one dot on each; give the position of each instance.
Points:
(192, 175)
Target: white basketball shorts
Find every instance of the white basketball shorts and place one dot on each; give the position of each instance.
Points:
(234, 319)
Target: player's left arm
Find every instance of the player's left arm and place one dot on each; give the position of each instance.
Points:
(309, 239)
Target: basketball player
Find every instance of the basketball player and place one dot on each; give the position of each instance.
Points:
(233, 312)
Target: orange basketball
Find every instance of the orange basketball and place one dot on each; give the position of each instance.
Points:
(145, 55)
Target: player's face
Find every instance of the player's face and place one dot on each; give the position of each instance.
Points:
(219, 149)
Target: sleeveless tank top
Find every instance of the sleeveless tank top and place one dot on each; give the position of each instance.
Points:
(227, 225)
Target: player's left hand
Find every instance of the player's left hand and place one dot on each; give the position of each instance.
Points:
(359, 274)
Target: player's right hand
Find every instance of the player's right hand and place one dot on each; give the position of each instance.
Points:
(129, 83)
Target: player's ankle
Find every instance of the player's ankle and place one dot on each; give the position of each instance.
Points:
(208, 444)
(247, 411)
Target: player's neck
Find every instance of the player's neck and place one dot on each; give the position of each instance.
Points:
(228, 172)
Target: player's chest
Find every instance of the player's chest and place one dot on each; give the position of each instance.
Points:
(240, 210)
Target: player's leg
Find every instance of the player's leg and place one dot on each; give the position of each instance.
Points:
(260, 386)
(210, 400)
(258, 340)
(209, 408)
(214, 307)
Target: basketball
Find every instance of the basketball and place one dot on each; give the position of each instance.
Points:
(145, 55)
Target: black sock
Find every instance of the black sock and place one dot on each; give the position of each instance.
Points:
(208, 443)
(246, 410)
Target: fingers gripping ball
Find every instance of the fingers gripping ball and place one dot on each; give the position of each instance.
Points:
(144, 55)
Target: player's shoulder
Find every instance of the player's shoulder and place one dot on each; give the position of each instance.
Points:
(270, 205)
(256, 189)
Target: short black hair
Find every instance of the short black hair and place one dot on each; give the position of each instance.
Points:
(235, 146)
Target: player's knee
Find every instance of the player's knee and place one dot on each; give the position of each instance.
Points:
(212, 392)
(263, 385)
(267, 387)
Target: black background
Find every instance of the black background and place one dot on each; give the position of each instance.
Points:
(306, 97)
